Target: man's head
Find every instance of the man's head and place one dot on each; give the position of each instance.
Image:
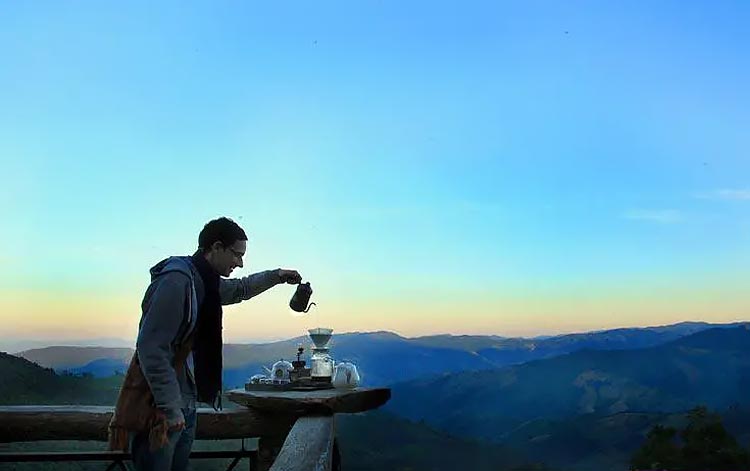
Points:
(223, 243)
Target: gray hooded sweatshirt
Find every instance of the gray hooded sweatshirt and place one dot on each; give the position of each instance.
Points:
(170, 311)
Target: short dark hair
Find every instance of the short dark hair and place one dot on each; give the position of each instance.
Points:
(223, 230)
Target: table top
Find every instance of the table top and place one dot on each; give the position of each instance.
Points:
(326, 401)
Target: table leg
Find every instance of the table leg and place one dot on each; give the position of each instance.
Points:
(336, 458)
(268, 449)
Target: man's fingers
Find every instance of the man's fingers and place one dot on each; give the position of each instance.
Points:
(177, 427)
(291, 276)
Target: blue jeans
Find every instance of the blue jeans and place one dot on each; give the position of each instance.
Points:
(173, 456)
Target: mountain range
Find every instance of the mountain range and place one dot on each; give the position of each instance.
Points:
(587, 400)
(383, 357)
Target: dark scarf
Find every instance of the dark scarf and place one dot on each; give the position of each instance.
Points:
(207, 346)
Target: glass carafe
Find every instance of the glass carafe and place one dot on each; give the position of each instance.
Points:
(321, 365)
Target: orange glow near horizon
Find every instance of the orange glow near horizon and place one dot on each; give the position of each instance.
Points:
(48, 315)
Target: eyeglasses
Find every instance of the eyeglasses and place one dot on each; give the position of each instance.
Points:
(237, 254)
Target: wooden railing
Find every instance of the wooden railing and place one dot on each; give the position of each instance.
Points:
(295, 433)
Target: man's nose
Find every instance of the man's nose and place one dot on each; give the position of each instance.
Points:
(240, 263)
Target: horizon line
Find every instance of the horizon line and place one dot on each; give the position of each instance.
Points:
(86, 343)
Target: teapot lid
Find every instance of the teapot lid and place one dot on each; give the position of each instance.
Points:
(281, 364)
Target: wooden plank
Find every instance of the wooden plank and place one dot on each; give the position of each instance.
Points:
(323, 402)
(308, 447)
(237, 423)
(32, 423)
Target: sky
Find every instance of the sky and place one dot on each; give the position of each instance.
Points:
(507, 168)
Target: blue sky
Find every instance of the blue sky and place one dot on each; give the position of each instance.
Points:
(466, 167)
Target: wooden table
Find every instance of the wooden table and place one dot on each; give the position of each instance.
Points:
(312, 438)
(322, 401)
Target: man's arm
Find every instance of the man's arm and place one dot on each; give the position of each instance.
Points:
(234, 290)
(162, 318)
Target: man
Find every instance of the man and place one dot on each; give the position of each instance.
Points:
(178, 358)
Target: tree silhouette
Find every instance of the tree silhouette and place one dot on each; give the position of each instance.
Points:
(659, 452)
(705, 445)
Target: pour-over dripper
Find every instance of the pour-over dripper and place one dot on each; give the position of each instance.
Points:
(320, 336)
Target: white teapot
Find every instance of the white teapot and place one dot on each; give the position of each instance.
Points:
(280, 372)
(345, 376)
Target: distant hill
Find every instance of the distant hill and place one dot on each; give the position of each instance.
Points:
(711, 367)
(15, 345)
(69, 357)
(24, 382)
(503, 351)
(102, 368)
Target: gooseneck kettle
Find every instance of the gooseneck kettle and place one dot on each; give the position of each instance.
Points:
(300, 298)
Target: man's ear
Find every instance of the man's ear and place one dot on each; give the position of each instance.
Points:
(216, 246)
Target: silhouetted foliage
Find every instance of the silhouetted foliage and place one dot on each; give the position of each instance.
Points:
(660, 450)
(705, 444)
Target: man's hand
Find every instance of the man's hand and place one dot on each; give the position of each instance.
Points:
(175, 421)
(291, 277)
(177, 427)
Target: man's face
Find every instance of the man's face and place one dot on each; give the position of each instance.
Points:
(227, 258)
